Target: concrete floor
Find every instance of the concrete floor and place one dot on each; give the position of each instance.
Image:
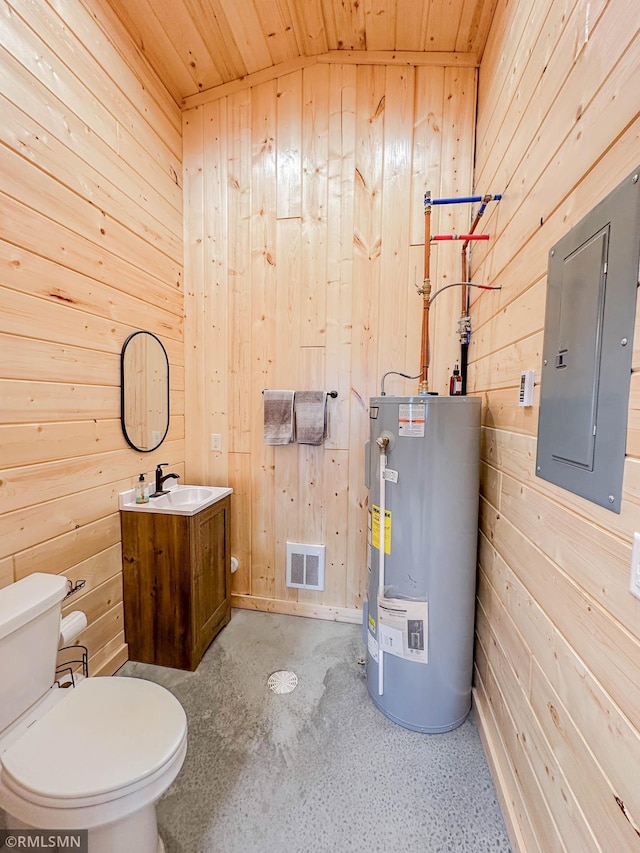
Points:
(319, 769)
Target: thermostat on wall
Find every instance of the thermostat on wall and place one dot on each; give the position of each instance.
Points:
(527, 380)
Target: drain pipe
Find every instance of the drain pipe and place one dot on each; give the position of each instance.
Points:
(383, 442)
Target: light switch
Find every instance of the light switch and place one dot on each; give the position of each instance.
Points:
(527, 381)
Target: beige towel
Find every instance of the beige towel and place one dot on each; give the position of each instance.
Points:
(311, 416)
(278, 417)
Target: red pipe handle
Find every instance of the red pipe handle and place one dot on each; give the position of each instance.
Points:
(459, 237)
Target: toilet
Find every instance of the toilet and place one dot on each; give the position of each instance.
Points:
(97, 756)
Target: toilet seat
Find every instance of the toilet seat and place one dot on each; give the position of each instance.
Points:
(108, 739)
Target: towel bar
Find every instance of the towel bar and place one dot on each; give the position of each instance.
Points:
(329, 393)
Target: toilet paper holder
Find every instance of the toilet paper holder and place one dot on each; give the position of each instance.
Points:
(70, 627)
(66, 669)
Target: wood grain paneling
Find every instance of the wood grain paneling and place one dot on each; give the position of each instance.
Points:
(90, 250)
(558, 642)
(310, 267)
(195, 45)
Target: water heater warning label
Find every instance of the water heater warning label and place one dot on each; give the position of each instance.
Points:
(411, 418)
(375, 529)
(403, 628)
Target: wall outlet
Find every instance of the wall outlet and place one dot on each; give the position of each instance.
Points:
(216, 441)
(634, 581)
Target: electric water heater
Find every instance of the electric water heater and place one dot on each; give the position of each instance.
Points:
(422, 474)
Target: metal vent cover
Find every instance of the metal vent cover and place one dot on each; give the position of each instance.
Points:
(305, 566)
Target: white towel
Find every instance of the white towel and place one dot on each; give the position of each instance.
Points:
(311, 416)
(278, 417)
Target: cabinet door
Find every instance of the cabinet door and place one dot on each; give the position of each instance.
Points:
(157, 599)
(211, 574)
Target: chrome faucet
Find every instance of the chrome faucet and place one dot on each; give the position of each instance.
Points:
(160, 479)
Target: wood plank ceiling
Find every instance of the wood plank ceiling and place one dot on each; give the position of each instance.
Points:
(195, 45)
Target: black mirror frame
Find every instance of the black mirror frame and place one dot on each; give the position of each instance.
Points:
(122, 392)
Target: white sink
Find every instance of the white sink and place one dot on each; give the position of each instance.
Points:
(180, 500)
(187, 496)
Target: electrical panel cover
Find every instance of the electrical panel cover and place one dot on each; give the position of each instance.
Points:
(588, 346)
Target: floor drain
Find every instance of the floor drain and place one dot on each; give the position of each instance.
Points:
(282, 681)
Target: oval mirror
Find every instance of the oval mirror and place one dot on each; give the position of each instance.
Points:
(144, 391)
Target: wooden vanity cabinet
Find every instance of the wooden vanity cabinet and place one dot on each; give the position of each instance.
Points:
(177, 583)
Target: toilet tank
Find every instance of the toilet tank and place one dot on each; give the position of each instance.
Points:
(29, 637)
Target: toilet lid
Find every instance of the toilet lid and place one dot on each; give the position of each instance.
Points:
(107, 734)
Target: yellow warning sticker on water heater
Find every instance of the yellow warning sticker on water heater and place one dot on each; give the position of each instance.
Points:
(375, 529)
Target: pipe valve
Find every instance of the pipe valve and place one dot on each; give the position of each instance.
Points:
(386, 441)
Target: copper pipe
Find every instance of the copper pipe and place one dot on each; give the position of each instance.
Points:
(465, 273)
(427, 237)
(425, 291)
(474, 225)
(424, 348)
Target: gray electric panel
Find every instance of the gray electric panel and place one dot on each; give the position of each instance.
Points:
(588, 346)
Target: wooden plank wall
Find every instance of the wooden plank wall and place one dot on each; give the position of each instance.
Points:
(90, 250)
(304, 233)
(558, 633)
(195, 46)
